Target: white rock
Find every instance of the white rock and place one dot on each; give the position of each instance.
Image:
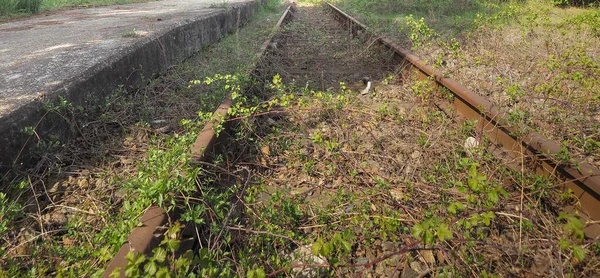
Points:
(368, 89)
(303, 255)
(415, 155)
(471, 143)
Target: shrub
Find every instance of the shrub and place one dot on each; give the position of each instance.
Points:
(28, 6)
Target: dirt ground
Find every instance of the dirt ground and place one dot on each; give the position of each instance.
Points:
(388, 179)
(315, 51)
(342, 183)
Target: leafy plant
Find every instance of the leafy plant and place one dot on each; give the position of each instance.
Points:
(574, 235)
(339, 246)
(419, 33)
(431, 231)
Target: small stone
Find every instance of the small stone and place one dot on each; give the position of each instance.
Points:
(471, 143)
(59, 218)
(338, 182)
(380, 269)
(54, 218)
(397, 193)
(427, 256)
(362, 261)
(409, 273)
(440, 256)
(303, 255)
(408, 170)
(367, 90)
(388, 246)
(541, 263)
(300, 190)
(394, 260)
(159, 121)
(83, 183)
(348, 208)
(415, 155)
(416, 266)
(120, 194)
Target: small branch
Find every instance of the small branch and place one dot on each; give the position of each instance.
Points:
(264, 233)
(296, 266)
(34, 238)
(405, 249)
(233, 207)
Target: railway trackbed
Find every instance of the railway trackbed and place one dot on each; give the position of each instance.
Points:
(349, 156)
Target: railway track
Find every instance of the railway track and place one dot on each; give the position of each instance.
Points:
(538, 152)
(301, 58)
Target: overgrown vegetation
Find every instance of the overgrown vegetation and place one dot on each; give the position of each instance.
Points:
(18, 8)
(70, 214)
(537, 61)
(311, 181)
(323, 187)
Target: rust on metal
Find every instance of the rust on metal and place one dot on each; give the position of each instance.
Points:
(583, 179)
(145, 238)
(142, 239)
(207, 141)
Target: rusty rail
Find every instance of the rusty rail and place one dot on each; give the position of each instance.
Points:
(584, 180)
(144, 238)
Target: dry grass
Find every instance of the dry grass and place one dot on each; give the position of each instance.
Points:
(366, 173)
(538, 62)
(78, 203)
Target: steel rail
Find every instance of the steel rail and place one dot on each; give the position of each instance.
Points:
(144, 239)
(582, 178)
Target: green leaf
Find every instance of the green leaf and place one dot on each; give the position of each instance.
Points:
(493, 196)
(347, 246)
(417, 230)
(171, 243)
(132, 270)
(578, 252)
(428, 237)
(260, 273)
(182, 264)
(456, 207)
(326, 249)
(487, 217)
(130, 256)
(150, 268)
(452, 209)
(160, 254)
(116, 273)
(316, 247)
(335, 262)
(564, 244)
(443, 232)
(163, 272)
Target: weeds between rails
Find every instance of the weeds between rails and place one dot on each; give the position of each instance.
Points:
(377, 186)
(329, 182)
(535, 60)
(69, 215)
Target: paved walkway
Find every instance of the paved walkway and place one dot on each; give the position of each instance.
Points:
(84, 54)
(41, 52)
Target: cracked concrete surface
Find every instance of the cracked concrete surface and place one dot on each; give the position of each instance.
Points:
(83, 54)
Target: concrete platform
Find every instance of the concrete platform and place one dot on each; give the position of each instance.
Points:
(84, 54)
